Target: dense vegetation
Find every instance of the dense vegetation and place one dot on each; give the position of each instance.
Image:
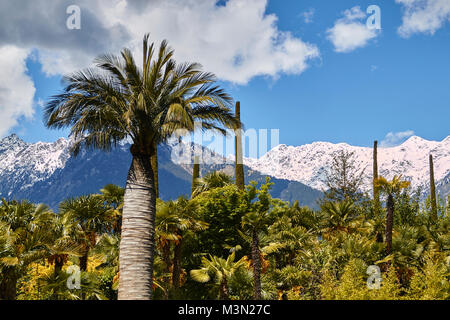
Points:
(226, 240)
(227, 243)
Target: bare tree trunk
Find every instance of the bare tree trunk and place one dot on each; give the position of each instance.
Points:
(8, 286)
(389, 223)
(256, 267)
(138, 229)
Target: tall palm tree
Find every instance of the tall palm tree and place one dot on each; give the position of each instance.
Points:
(254, 222)
(390, 188)
(147, 105)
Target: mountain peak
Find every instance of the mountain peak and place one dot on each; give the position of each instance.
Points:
(415, 139)
(12, 140)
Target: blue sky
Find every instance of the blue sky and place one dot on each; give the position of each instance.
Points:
(391, 83)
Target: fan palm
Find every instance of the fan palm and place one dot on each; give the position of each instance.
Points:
(113, 196)
(118, 101)
(24, 236)
(88, 217)
(221, 270)
(211, 181)
(174, 218)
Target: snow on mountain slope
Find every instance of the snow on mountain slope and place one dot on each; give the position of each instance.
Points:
(30, 170)
(308, 163)
(23, 164)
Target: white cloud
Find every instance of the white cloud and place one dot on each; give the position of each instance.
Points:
(236, 40)
(393, 139)
(16, 87)
(350, 32)
(423, 16)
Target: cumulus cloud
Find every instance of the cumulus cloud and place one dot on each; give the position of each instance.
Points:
(16, 87)
(350, 32)
(393, 139)
(237, 40)
(423, 16)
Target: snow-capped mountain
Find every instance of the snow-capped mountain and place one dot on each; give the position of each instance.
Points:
(308, 163)
(48, 173)
(23, 164)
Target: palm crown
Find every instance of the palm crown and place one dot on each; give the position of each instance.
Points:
(117, 100)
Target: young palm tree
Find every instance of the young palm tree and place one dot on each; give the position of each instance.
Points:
(173, 219)
(210, 181)
(118, 101)
(24, 236)
(88, 217)
(113, 197)
(221, 270)
(390, 188)
(339, 216)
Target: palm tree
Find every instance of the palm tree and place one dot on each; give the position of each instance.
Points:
(113, 197)
(118, 101)
(88, 217)
(390, 188)
(23, 238)
(174, 218)
(255, 222)
(340, 216)
(221, 270)
(211, 181)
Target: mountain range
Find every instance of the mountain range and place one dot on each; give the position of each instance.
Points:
(47, 173)
(308, 163)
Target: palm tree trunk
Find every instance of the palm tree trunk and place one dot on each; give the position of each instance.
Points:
(84, 260)
(177, 264)
(138, 229)
(389, 223)
(223, 290)
(8, 286)
(256, 267)
(166, 259)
